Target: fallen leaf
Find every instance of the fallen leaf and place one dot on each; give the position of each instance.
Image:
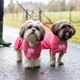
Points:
(42, 72)
(21, 72)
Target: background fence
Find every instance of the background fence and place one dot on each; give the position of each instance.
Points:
(46, 17)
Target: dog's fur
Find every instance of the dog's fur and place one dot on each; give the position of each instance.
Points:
(64, 30)
(33, 32)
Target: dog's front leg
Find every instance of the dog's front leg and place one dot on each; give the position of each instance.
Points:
(59, 58)
(19, 55)
(28, 62)
(36, 62)
(52, 58)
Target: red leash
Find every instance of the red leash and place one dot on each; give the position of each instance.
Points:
(42, 23)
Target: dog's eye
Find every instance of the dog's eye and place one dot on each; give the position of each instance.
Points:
(69, 26)
(66, 26)
(37, 28)
(63, 26)
(29, 27)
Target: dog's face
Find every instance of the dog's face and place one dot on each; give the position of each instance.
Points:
(32, 31)
(63, 29)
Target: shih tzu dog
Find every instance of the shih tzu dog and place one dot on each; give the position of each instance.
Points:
(56, 40)
(31, 35)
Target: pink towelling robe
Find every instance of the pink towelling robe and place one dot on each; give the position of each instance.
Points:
(18, 43)
(53, 43)
(31, 52)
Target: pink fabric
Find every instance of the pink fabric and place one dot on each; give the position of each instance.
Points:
(45, 44)
(18, 43)
(53, 43)
(31, 52)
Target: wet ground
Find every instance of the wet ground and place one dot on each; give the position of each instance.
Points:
(11, 70)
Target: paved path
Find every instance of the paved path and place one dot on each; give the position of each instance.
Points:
(11, 70)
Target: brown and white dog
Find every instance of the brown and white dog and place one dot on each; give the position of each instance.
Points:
(56, 40)
(31, 35)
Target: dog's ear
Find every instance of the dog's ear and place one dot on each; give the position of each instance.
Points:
(54, 29)
(73, 31)
(42, 34)
(22, 30)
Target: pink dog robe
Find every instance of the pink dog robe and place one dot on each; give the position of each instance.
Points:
(18, 43)
(31, 52)
(53, 43)
(45, 44)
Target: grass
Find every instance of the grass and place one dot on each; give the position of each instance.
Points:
(76, 37)
(13, 23)
(54, 16)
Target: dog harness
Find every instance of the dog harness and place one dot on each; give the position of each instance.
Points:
(53, 43)
(31, 52)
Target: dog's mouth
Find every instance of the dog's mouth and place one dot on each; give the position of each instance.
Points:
(32, 34)
(67, 35)
(64, 36)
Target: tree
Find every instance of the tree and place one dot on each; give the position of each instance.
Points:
(54, 5)
(63, 5)
(71, 5)
(16, 9)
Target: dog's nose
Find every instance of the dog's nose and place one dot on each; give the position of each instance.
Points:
(67, 35)
(33, 30)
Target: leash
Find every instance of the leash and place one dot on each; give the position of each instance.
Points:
(31, 16)
(24, 10)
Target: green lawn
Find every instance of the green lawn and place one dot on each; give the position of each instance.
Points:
(13, 23)
(53, 16)
(76, 37)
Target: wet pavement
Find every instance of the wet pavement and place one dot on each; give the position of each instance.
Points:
(11, 70)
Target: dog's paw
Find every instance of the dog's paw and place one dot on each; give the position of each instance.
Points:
(28, 67)
(19, 60)
(37, 66)
(52, 63)
(60, 63)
